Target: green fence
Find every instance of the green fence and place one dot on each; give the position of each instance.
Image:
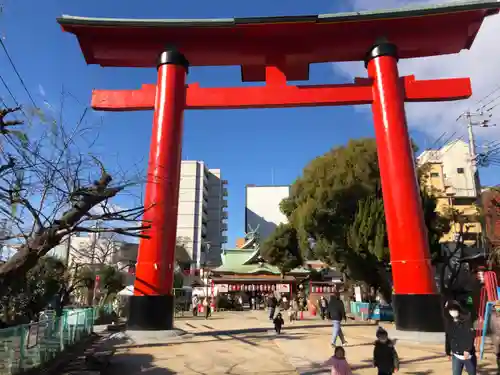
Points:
(31, 345)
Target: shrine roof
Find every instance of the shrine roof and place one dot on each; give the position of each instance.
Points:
(292, 42)
(238, 261)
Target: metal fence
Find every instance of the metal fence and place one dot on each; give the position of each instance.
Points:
(30, 345)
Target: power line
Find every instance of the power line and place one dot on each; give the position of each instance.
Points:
(13, 98)
(487, 96)
(17, 72)
(9, 91)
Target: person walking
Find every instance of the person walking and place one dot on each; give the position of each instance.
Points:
(336, 310)
(206, 306)
(194, 305)
(272, 303)
(460, 339)
(278, 323)
(323, 307)
(495, 333)
(338, 363)
(385, 356)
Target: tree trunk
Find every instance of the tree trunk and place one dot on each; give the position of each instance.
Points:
(45, 239)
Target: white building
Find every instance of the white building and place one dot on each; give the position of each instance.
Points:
(450, 178)
(262, 208)
(201, 220)
(97, 249)
(457, 167)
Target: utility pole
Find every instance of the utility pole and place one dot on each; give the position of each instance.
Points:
(468, 115)
(472, 151)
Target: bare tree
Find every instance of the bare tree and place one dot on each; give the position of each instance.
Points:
(95, 250)
(51, 186)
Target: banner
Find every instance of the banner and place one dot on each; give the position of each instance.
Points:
(283, 288)
(222, 288)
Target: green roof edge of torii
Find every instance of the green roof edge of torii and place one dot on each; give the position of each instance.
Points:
(413, 11)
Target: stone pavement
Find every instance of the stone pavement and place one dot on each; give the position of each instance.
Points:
(244, 343)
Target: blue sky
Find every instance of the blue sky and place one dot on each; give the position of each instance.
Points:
(246, 145)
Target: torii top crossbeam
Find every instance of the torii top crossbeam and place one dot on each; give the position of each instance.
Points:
(289, 42)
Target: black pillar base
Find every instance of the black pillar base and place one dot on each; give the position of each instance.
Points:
(418, 312)
(151, 313)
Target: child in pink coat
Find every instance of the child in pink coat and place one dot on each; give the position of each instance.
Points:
(338, 362)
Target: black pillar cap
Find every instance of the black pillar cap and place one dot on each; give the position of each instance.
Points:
(172, 55)
(381, 49)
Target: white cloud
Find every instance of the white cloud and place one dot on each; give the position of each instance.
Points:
(106, 208)
(480, 64)
(41, 90)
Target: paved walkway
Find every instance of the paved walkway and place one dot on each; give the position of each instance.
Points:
(244, 343)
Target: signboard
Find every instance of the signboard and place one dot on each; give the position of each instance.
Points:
(283, 288)
(223, 288)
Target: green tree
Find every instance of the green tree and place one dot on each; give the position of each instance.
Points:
(282, 249)
(25, 297)
(337, 210)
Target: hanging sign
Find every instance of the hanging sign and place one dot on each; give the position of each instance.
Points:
(283, 288)
(223, 288)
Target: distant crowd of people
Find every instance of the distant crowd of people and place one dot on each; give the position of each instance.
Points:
(290, 307)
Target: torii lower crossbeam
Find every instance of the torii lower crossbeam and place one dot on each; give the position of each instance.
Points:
(282, 96)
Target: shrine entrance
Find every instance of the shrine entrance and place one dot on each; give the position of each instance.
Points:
(276, 50)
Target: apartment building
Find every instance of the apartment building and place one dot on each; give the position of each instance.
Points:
(201, 222)
(449, 174)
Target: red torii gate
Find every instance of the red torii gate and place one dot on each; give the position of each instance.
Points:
(277, 50)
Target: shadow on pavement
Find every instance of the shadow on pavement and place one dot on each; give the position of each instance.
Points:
(265, 329)
(317, 368)
(482, 370)
(223, 337)
(135, 364)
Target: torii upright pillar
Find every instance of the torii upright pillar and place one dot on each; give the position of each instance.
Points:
(412, 271)
(152, 305)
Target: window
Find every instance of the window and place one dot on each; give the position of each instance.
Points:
(460, 170)
(434, 174)
(463, 201)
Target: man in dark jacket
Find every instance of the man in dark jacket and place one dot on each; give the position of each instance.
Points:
(460, 339)
(272, 302)
(336, 311)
